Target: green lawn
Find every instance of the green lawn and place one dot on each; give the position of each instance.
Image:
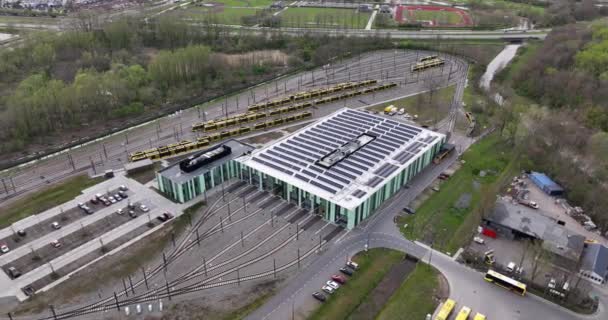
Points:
(45, 199)
(511, 5)
(323, 18)
(243, 3)
(420, 105)
(439, 220)
(414, 297)
(219, 15)
(373, 265)
(29, 20)
(440, 17)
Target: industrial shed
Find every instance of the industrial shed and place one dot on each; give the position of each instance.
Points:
(545, 183)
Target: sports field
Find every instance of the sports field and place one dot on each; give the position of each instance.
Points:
(433, 16)
(243, 3)
(216, 15)
(323, 18)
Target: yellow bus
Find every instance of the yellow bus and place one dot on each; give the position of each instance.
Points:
(464, 313)
(505, 282)
(479, 316)
(446, 310)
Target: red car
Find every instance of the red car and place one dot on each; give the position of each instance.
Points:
(338, 278)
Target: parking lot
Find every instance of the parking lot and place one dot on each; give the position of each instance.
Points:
(67, 242)
(57, 242)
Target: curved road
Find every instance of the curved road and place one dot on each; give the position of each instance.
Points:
(467, 286)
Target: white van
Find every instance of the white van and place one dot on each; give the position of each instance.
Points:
(511, 266)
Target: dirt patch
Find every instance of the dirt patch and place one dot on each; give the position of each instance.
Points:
(443, 287)
(383, 291)
(275, 57)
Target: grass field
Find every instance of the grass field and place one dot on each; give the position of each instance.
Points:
(440, 17)
(414, 297)
(225, 15)
(373, 265)
(441, 218)
(324, 17)
(45, 199)
(244, 3)
(29, 20)
(419, 105)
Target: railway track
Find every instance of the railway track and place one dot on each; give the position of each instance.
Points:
(116, 153)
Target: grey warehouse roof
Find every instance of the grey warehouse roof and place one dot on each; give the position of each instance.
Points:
(175, 174)
(595, 258)
(358, 166)
(556, 238)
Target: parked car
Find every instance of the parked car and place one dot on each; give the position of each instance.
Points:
(123, 194)
(117, 197)
(511, 266)
(94, 201)
(319, 296)
(106, 202)
(21, 233)
(552, 284)
(347, 271)
(55, 225)
(409, 210)
(123, 188)
(328, 289)
(479, 240)
(132, 214)
(332, 284)
(13, 272)
(338, 278)
(28, 290)
(143, 208)
(81, 205)
(56, 243)
(88, 210)
(353, 265)
(112, 199)
(120, 211)
(165, 216)
(4, 248)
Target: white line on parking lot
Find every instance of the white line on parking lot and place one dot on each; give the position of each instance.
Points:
(323, 227)
(342, 236)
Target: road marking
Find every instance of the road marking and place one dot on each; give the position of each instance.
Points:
(323, 227)
(342, 236)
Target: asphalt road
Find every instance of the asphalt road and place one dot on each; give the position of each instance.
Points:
(467, 286)
(112, 152)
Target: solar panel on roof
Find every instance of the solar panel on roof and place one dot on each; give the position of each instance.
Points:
(302, 178)
(373, 182)
(291, 148)
(330, 182)
(359, 193)
(372, 154)
(361, 158)
(338, 178)
(293, 154)
(322, 186)
(356, 165)
(377, 150)
(347, 171)
(309, 173)
(384, 144)
(303, 144)
(342, 173)
(315, 168)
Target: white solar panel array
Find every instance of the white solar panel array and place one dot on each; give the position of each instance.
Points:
(297, 155)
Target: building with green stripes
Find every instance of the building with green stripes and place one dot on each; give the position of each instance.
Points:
(342, 167)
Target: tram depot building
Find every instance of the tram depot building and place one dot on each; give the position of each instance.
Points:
(342, 167)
